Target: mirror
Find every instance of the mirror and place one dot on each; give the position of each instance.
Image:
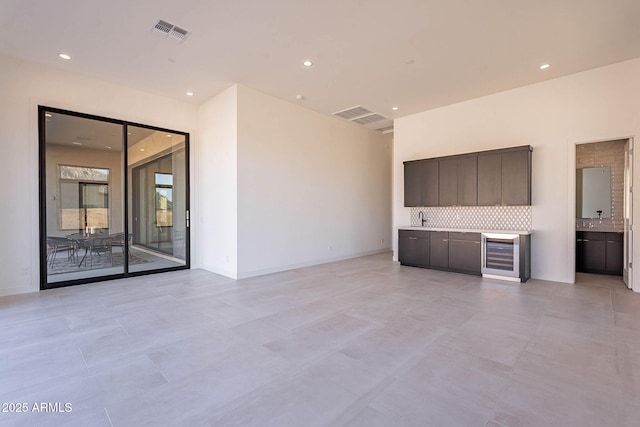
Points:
(593, 192)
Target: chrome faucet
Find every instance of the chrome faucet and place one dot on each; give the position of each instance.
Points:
(422, 217)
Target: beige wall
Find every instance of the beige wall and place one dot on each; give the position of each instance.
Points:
(217, 181)
(311, 188)
(286, 186)
(553, 116)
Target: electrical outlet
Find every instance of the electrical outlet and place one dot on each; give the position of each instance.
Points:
(329, 248)
(382, 241)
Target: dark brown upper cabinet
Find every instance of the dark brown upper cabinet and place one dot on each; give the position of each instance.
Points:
(458, 183)
(516, 177)
(504, 177)
(413, 184)
(421, 183)
(488, 178)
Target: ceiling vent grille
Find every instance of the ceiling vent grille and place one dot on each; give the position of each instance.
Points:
(371, 118)
(163, 26)
(170, 30)
(353, 112)
(179, 33)
(362, 116)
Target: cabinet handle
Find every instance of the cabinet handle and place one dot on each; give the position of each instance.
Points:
(413, 238)
(579, 240)
(445, 240)
(585, 240)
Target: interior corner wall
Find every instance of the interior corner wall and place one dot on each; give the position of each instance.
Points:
(311, 188)
(217, 187)
(24, 86)
(552, 116)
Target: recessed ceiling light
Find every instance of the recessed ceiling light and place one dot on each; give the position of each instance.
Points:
(142, 149)
(76, 143)
(108, 147)
(299, 97)
(307, 63)
(169, 135)
(544, 66)
(189, 93)
(64, 56)
(394, 108)
(47, 115)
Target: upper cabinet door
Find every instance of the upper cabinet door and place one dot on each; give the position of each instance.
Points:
(489, 179)
(421, 183)
(516, 178)
(412, 184)
(458, 184)
(504, 177)
(448, 185)
(468, 180)
(430, 182)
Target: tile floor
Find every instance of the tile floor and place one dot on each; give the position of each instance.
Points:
(363, 342)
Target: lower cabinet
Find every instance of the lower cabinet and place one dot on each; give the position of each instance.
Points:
(442, 250)
(413, 248)
(439, 249)
(599, 252)
(613, 254)
(465, 253)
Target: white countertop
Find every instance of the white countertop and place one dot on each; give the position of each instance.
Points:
(466, 230)
(600, 229)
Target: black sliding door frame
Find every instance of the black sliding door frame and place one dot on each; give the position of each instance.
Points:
(42, 197)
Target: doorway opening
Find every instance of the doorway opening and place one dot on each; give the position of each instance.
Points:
(603, 208)
(113, 198)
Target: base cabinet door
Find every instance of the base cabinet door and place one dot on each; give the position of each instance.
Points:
(599, 252)
(614, 260)
(465, 253)
(413, 248)
(439, 249)
(593, 255)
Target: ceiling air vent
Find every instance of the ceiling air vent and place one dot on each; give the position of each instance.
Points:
(353, 112)
(163, 26)
(371, 118)
(362, 116)
(170, 30)
(179, 33)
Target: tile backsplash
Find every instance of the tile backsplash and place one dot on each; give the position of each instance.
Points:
(475, 217)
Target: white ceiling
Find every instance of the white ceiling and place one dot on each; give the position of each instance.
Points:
(416, 54)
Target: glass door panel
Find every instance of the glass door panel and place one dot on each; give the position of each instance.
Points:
(100, 219)
(157, 176)
(84, 200)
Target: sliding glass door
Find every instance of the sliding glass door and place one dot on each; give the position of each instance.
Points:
(113, 196)
(157, 167)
